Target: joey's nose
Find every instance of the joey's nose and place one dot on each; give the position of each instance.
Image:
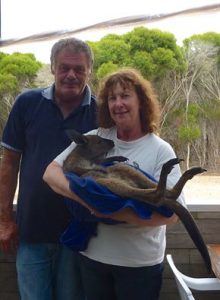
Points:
(110, 143)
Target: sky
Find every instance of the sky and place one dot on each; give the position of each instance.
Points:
(21, 18)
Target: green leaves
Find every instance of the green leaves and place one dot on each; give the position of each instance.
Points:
(17, 71)
(22, 66)
(153, 52)
(189, 134)
(105, 69)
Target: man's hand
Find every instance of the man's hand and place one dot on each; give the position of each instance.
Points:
(8, 236)
(9, 167)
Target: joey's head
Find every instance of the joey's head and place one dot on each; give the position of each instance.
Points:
(91, 147)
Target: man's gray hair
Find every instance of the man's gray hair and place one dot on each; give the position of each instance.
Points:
(75, 46)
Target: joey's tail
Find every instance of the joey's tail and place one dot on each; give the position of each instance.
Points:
(192, 229)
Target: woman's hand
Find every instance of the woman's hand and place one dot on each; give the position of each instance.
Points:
(129, 216)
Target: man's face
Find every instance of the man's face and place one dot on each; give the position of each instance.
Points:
(71, 71)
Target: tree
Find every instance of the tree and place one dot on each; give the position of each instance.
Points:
(196, 93)
(185, 78)
(160, 46)
(210, 38)
(17, 71)
(153, 52)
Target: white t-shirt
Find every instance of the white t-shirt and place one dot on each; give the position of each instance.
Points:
(126, 244)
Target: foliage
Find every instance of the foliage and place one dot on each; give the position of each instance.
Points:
(196, 92)
(22, 66)
(153, 52)
(17, 71)
(211, 38)
(186, 79)
(105, 69)
(188, 134)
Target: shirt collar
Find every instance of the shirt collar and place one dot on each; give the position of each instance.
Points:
(49, 92)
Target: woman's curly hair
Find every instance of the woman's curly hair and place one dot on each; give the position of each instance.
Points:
(149, 104)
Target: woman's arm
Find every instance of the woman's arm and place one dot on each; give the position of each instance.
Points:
(56, 179)
(129, 216)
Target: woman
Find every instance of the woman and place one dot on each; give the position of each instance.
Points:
(125, 261)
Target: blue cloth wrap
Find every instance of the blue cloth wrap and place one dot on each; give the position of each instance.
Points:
(84, 225)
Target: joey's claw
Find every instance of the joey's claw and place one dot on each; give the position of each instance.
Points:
(113, 159)
(121, 158)
(196, 170)
(168, 166)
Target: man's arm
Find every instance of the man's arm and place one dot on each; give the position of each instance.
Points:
(9, 167)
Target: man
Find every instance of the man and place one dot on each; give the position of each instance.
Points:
(33, 136)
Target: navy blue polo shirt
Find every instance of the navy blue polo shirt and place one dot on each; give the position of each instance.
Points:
(36, 128)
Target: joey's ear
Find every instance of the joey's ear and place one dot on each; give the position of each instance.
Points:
(77, 137)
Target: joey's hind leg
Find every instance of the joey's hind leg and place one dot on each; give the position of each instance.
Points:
(124, 189)
(112, 159)
(187, 175)
(166, 169)
(133, 176)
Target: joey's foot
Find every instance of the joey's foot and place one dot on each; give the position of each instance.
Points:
(120, 158)
(168, 166)
(194, 171)
(114, 159)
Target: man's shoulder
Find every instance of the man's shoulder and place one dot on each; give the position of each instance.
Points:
(30, 97)
(30, 93)
(29, 100)
(91, 104)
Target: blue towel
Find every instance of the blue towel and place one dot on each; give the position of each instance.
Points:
(84, 225)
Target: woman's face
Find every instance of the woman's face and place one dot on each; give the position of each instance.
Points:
(124, 107)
